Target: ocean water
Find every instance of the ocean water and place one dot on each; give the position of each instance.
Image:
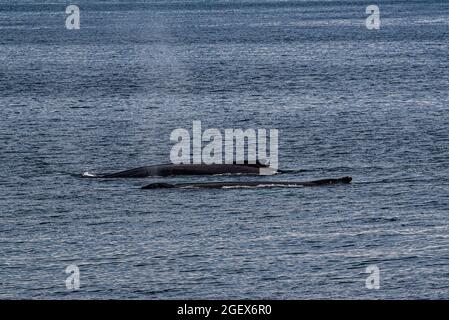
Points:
(371, 104)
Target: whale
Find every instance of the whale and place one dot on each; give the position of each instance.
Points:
(164, 170)
(249, 184)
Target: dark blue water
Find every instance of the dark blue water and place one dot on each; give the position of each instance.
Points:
(347, 101)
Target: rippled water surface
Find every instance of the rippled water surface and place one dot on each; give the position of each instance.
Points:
(346, 100)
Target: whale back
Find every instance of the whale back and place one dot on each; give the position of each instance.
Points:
(187, 169)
